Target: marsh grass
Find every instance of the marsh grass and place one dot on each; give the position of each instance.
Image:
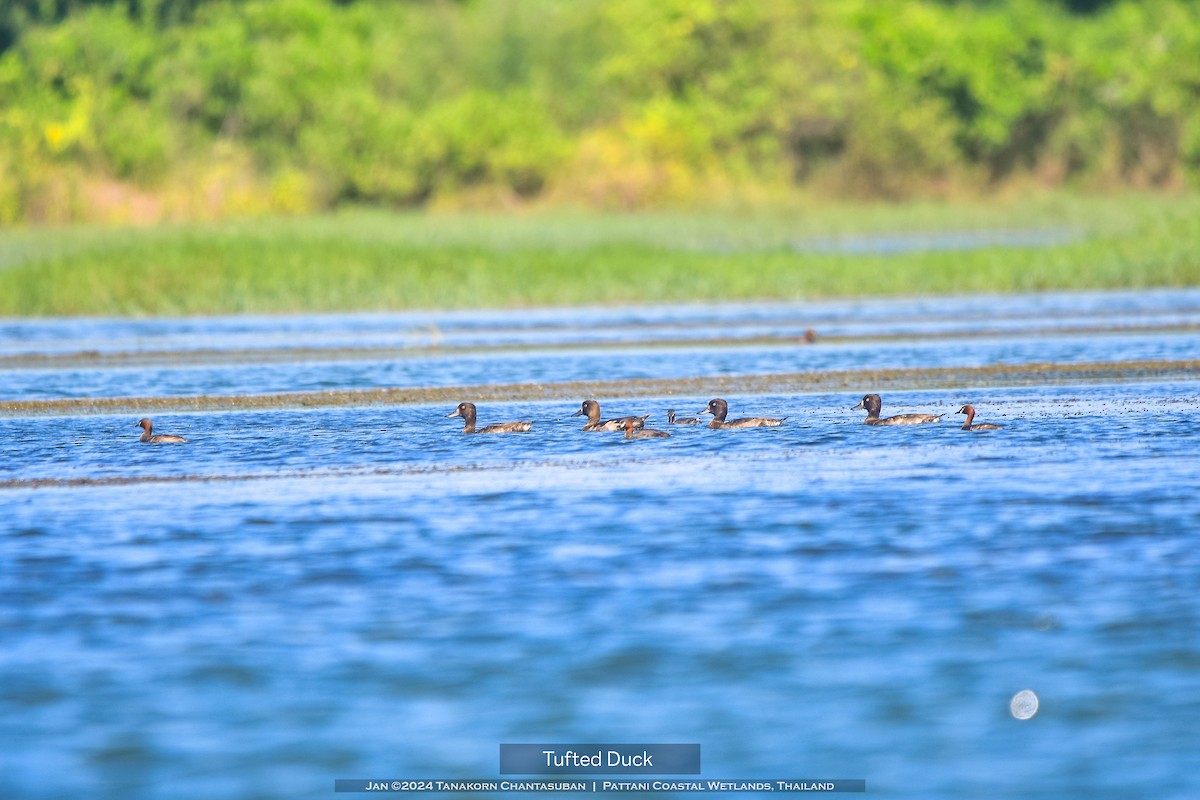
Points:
(372, 260)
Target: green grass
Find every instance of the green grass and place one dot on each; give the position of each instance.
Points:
(371, 260)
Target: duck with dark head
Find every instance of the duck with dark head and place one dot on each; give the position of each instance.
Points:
(591, 410)
(872, 403)
(720, 409)
(467, 412)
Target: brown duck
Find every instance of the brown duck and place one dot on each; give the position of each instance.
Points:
(467, 412)
(720, 409)
(148, 434)
(978, 426)
(631, 431)
(872, 403)
(591, 409)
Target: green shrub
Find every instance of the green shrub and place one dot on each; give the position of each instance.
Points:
(625, 103)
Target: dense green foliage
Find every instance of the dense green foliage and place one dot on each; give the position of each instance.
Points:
(185, 109)
(369, 259)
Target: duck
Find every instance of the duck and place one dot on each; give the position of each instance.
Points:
(719, 409)
(467, 412)
(632, 432)
(673, 420)
(872, 403)
(148, 434)
(591, 409)
(978, 426)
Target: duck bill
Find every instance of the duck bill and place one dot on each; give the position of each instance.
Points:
(453, 413)
(579, 413)
(857, 407)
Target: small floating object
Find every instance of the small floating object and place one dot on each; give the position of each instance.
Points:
(720, 409)
(1024, 704)
(673, 420)
(631, 432)
(467, 412)
(978, 426)
(591, 409)
(872, 403)
(148, 434)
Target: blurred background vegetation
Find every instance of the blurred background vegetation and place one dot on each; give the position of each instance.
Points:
(151, 110)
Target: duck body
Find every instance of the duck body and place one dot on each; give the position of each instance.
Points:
(631, 432)
(506, 427)
(872, 403)
(673, 420)
(591, 409)
(978, 426)
(905, 419)
(148, 434)
(468, 412)
(720, 409)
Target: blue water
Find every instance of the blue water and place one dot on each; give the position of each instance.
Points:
(1017, 329)
(540, 366)
(605, 325)
(299, 596)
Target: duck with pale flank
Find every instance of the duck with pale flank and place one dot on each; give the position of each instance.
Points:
(872, 403)
(591, 410)
(720, 409)
(148, 434)
(631, 432)
(978, 426)
(673, 420)
(467, 412)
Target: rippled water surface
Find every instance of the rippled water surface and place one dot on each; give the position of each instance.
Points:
(296, 596)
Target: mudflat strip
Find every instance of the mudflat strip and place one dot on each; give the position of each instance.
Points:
(267, 355)
(997, 375)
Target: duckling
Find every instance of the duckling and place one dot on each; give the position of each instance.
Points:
(148, 434)
(719, 409)
(978, 426)
(467, 412)
(673, 420)
(644, 433)
(591, 409)
(872, 403)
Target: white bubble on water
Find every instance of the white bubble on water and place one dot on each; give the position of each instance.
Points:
(1024, 704)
